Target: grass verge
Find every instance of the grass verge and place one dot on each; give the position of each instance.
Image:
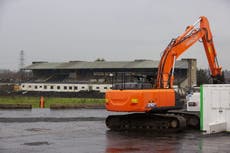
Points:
(34, 101)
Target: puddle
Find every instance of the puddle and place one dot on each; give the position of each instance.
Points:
(37, 129)
(38, 143)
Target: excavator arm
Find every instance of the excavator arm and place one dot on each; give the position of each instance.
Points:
(176, 47)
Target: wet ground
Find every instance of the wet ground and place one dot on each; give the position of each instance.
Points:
(88, 134)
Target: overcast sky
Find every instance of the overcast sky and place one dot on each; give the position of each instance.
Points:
(64, 30)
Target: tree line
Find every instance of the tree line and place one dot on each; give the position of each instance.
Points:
(204, 77)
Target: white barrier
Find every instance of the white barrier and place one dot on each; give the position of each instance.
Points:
(215, 108)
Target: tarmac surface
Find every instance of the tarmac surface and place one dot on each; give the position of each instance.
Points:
(48, 131)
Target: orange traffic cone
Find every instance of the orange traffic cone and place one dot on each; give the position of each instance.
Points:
(42, 102)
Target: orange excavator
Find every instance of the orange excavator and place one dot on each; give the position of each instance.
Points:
(154, 107)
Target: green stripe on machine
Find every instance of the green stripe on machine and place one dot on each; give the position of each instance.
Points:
(201, 109)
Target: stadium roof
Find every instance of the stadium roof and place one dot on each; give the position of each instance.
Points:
(136, 64)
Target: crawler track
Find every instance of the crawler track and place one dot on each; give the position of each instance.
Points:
(145, 121)
(192, 118)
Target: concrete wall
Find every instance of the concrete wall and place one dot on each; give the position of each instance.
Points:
(191, 79)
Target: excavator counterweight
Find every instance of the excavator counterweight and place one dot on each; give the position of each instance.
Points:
(140, 100)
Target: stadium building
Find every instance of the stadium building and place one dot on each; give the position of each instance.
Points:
(77, 76)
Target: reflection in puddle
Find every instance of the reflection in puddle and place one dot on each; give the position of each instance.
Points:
(145, 142)
(121, 150)
(140, 142)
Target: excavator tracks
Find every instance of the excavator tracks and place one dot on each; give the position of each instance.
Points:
(192, 118)
(146, 122)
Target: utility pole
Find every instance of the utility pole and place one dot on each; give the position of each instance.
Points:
(22, 60)
(21, 65)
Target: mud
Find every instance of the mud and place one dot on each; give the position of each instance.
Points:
(15, 106)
